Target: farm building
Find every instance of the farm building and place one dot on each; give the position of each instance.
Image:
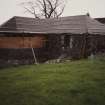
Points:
(72, 37)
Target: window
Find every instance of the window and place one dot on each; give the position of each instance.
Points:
(66, 41)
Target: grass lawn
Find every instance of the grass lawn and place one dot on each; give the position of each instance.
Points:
(73, 83)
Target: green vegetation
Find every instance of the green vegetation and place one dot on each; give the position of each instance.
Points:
(73, 83)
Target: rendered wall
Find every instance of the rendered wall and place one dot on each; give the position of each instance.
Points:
(22, 42)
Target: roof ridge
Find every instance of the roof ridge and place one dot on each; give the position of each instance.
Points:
(47, 18)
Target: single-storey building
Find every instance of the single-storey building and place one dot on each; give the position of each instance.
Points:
(72, 37)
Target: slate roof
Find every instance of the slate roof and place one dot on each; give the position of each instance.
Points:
(72, 24)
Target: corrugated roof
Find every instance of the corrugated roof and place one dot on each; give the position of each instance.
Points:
(72, 24)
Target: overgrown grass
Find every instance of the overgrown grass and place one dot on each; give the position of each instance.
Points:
(73, 83)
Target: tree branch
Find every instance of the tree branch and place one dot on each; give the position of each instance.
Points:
(45, 8)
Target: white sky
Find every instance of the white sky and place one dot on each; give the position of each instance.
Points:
(96, 8)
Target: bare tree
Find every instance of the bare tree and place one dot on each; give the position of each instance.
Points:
(45, 8)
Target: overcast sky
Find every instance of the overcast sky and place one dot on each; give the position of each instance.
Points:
(96, 8)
